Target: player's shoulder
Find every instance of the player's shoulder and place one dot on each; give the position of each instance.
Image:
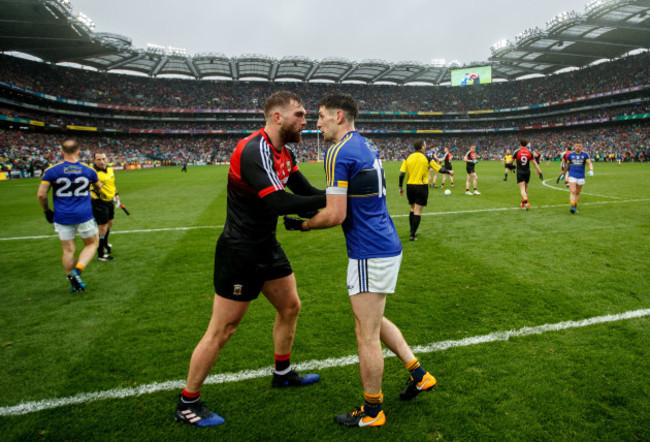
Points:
(53, 167)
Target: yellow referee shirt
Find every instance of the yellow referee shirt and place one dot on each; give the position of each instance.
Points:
(508, 159)
(107, 178)
(417, 167)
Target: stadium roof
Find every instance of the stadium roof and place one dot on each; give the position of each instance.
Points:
(47, 29)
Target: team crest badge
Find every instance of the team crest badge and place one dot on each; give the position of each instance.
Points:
(288, 165)
(237, 289)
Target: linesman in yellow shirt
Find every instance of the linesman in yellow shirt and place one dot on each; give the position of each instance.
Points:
(509, 162)
(103, 206)
(417, 185)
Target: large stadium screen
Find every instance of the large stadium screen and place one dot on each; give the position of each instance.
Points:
(471, 76)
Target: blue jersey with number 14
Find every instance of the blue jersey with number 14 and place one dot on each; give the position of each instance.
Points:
(71, 191)
(352, 167)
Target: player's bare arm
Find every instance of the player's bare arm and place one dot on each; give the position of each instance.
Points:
(332, 215)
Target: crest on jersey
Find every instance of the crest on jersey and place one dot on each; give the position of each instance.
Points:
(236, 289)
(288, 165)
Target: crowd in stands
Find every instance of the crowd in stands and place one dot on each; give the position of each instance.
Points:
(27, 152)
(364, 123)
(128, 90)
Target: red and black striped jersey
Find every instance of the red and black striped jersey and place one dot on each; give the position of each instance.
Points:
(257, 169)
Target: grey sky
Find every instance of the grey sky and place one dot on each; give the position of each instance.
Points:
(393, 31)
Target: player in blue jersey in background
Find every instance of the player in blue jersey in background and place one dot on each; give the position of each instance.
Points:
(70, 182)
(576, 162)
(356, 199)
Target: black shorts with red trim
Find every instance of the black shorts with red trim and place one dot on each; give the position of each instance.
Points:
(240, 273)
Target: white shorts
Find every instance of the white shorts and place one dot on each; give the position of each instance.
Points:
(578, 181)
(67, 231)
(376, 275)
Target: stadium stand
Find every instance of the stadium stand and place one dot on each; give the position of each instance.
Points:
(154, 121)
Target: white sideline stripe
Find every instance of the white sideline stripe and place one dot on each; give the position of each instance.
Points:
(518, 209)
(581, 193)
(119, 393)
(502, 209)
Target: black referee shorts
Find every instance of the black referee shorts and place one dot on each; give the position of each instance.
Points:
(510, 166)
(103, 211)
(417, 194)
(239, 274)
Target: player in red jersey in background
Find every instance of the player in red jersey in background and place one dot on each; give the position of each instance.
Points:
(523, 158)
(564, 166)
(471, 158)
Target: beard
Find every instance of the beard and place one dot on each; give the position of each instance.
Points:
(288, 136)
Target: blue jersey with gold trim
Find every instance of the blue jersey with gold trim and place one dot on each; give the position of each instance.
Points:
(353, 167)
(71, 191)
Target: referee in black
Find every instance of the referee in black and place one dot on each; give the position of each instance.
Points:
(417, 185)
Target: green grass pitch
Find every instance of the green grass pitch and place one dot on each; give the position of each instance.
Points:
(481, 265)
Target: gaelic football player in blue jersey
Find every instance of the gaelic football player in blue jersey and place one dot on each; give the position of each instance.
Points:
(70, 182)
(576, 162)
(356, 199)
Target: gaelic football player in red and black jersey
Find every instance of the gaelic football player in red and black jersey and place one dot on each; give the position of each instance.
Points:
(523, 158)
(248, 257)
(446, 163)
(471, 158)
(564, 166)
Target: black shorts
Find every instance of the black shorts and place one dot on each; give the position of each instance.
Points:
(469, 167)
(103, 211)
(447, 166)
(239, 274)
(417, 194)
(523, 176)
(510, 166)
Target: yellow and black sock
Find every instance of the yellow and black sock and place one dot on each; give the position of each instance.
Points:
(372, 403)
(416, 370)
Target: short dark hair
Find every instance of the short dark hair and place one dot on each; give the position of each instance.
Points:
(280, 99)
(417, 145)
(70, 145)
(98, 152)
(523, 142)
(345, 102)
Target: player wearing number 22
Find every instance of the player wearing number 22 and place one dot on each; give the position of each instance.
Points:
(356, 199)
(70, 182)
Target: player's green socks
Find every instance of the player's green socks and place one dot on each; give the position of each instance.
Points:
(372, 403)
(416, 370)
(282, 363)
